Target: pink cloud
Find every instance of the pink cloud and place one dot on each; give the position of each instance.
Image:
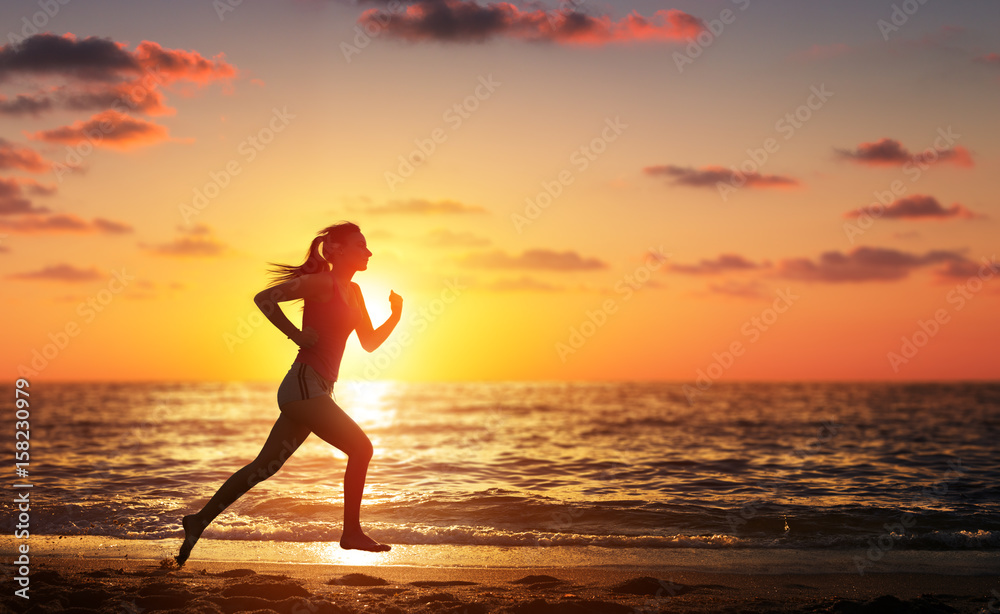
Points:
(100, 74)
(12, 196)
(467, 21)
(915, 207)
(22, 158)
(107, 129)
(890, 152)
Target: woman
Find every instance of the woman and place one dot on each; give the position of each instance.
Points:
(333, 308)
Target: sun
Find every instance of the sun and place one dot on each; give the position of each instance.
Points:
(376, 294)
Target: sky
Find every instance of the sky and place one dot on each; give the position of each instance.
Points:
(692, 191)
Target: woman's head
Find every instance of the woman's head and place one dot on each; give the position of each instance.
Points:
(341, 245)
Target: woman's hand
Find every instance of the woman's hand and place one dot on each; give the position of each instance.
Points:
(395, 302)
(306, 338)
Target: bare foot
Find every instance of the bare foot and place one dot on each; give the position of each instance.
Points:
(192, 531)
(360, 541)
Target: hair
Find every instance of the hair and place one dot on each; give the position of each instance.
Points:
(316, 261)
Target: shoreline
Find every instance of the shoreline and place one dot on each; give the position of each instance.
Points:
(749, 561)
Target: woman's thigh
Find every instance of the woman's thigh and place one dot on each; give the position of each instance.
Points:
(285, 438)
(323, 416)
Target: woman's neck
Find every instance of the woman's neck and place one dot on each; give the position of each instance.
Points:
(343, 276)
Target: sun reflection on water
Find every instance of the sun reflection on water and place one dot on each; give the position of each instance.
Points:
(331, 553)
(365, 402)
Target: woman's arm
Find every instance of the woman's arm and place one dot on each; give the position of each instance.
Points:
(306, 286)
(372, 338)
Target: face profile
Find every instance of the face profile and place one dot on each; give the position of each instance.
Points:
(351, 251)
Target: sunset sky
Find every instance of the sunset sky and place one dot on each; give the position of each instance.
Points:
(551, 188)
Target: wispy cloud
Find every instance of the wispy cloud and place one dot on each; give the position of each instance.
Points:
(107, 129)
(731, 287)
(442, 237)
(16, 157)
(522, 284)
(101, 76)
(862, 264)
(890, 152)
(13, 198)
(418, 206)
(467, 21)
(100, 71)
(723, 264)
(534, 259)
(197, 241)
(915, 207)
(61, 223)
(59, 272)
(711, 176)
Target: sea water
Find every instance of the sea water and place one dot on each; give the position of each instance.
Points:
(856, 477)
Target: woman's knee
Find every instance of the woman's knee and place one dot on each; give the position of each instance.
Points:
(362, 450)
(261, 469)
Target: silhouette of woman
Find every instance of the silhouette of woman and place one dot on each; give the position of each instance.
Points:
(333, 308)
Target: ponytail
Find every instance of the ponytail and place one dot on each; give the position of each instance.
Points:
(316, 261)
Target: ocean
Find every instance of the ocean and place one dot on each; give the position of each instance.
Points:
(849, 477)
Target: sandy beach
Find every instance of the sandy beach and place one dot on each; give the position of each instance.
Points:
(132, 586)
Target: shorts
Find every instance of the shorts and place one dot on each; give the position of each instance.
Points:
(302, 382)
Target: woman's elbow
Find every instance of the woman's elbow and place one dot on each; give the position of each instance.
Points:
(265, 301)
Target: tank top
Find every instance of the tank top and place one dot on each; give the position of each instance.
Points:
(333, 320)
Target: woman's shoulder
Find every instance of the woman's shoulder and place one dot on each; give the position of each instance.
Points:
(317, 286)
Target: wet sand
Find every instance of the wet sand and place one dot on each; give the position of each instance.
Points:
(75, 585)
